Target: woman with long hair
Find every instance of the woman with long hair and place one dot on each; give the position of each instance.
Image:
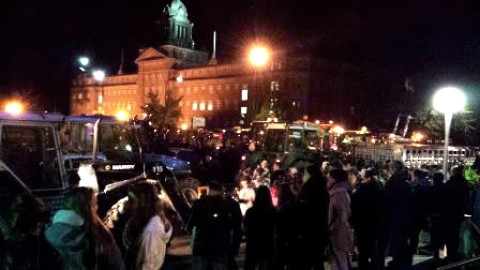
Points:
(148, 231)
(79, 235)
(259, 225)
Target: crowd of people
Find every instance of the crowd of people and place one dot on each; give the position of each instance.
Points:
(76, 238)
(308, 218)
(335, 213)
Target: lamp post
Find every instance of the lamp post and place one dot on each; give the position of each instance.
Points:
(99, 76)
(448, 100)
(83, 62)
(258, 57)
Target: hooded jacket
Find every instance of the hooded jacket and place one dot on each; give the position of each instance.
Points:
(68, 236)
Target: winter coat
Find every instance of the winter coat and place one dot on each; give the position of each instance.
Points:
(152, 244)
(216, 225)
(341, 236)
(68, 236)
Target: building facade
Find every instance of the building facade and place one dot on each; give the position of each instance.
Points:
(223, 94)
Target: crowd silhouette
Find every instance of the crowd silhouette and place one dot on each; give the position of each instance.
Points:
(319, 216)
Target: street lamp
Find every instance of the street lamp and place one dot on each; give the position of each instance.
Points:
(84, 63)
(448, 101)
(258, 57)
(99, 76)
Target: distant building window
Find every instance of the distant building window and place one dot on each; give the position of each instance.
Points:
(210, 105)
(202, 106)
(244, 94)
(296, 103)
(243, 110)
(195, 105)
(80, 96)
(129, 107)
(274, 86)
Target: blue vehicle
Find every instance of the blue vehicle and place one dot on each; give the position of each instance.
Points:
(45, 152)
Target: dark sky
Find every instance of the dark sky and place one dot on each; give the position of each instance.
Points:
(427, 40)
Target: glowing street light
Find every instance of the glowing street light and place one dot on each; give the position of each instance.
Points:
(338, 130)
(84, 61)
(122, 115)
(98, 75)
(14, 107)
(448, 101)
(259, 56)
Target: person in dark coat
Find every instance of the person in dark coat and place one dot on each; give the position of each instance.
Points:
(365, 219)
(215, 224)
(398, 198)
(27, 248)
(437, 214)
(457, 196)
(284, 233)
(311, 217)
(259, 225)
(422, 199)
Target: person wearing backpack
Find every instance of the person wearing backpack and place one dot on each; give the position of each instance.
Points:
(215, 224)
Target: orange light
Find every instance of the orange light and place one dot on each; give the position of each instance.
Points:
(338, 130)
(259, 56)
(417, 136)
(122, 115)
(184, 126)
(14, 107)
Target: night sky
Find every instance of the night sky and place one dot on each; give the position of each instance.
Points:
(430, 42)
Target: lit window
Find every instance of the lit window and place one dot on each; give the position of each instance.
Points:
(80, 95)
(243, 110)
(129, 107)
(195, 105)
(202, 106)
(180, 103)
(210, 105)
(274, 86)
(244, 94)
(100, 99)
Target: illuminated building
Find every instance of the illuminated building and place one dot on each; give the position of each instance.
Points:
(224, 94)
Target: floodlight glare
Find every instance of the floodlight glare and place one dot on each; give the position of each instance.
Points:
(98, 75)
(84, 61)
(259, 56)
(14, 107)
(449, 100)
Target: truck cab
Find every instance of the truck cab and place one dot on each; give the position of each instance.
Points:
(289, 142)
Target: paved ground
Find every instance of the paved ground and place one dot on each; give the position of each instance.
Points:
(179, 252)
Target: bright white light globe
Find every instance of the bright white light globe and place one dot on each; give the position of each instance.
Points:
(98, 75)
(449, 100)
(84, 61)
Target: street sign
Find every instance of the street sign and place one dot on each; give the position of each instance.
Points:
(198, 122)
